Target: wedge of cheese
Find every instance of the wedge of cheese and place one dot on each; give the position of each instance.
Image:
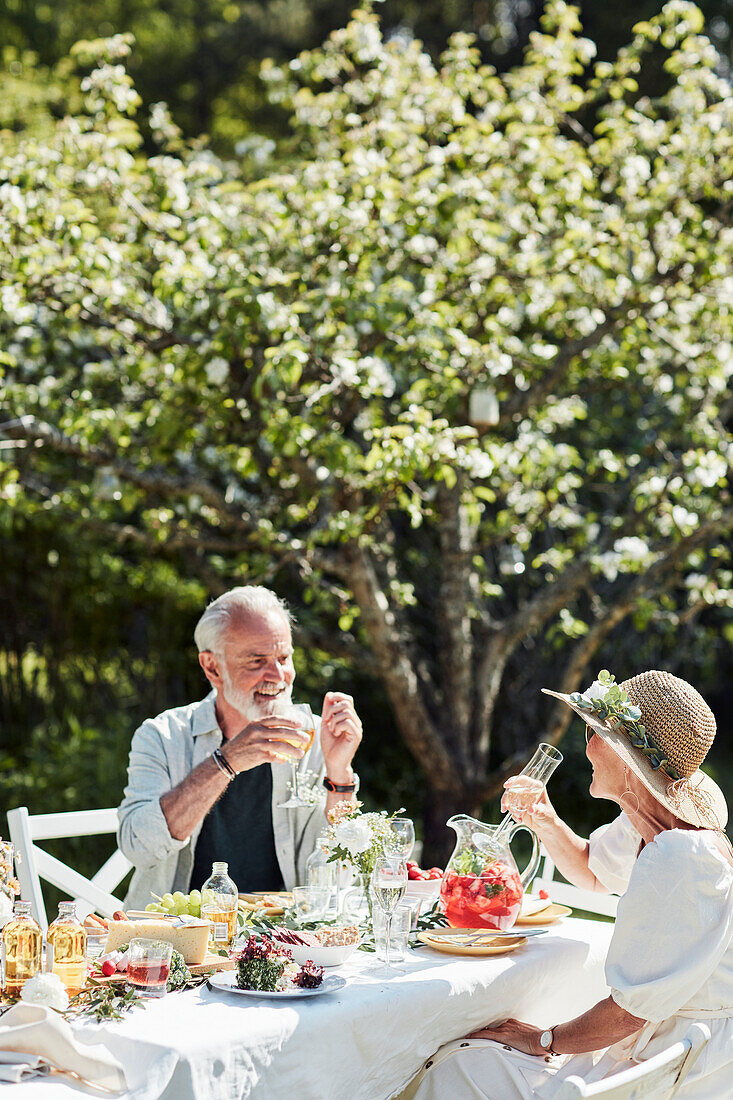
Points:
(191, 938)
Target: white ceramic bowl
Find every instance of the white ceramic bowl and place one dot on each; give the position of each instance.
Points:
(321, 956)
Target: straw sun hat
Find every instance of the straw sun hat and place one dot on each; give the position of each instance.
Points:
(662, 728)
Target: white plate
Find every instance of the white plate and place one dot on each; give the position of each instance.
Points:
(532, 904)
(226, 981)
(321, 956)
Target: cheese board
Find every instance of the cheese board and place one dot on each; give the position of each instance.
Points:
(212, 964)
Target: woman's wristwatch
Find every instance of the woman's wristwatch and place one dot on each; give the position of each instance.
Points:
(546, 1040)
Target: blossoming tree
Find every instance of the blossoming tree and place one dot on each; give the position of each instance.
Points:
(461, 367)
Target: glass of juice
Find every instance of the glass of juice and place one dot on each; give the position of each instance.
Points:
(303, 715)
(148, 967)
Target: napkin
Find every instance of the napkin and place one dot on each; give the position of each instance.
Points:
(16, 1067)
(38, 1032)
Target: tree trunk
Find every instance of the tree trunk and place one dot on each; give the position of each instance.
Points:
(439, 840)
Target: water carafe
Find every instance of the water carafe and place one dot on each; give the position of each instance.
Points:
(482, 886)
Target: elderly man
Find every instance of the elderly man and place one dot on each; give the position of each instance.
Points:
(206, 781)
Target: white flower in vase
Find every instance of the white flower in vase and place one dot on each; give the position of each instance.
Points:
(354, 836)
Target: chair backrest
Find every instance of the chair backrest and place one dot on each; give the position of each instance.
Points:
(35, 864)
(660, 1077)
(574, 896)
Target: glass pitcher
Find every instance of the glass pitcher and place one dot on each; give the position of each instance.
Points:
(482, 887)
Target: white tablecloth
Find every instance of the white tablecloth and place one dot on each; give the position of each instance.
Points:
(365, 1042)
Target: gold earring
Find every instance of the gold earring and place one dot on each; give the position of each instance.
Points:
(629, 792)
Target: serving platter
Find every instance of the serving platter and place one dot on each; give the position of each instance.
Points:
(227, 983)
(272, 902)
(470, 941)
(553, 912)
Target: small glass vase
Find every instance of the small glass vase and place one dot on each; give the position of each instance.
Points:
(357, 902)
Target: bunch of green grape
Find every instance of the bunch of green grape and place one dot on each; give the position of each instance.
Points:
(177, 904)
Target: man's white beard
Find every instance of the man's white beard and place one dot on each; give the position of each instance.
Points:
(246, 705)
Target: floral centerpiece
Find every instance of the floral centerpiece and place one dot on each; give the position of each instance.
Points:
(359, 838)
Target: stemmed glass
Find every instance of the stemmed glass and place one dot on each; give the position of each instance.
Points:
(539, 769)
(403, 838)
(303, 715)
(389, 881)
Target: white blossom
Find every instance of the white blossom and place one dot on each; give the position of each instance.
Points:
(597, 690)
(47, 990)
(355, 836)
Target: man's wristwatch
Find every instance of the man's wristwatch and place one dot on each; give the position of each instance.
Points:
(546, 1040)
(340, 788)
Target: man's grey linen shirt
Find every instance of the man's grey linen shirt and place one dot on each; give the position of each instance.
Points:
(163, 752)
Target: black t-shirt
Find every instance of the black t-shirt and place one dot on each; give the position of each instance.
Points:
(238, 830)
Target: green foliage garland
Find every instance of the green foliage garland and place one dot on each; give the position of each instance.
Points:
(615, 704)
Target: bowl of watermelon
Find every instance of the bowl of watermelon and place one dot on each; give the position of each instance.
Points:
(423, 884)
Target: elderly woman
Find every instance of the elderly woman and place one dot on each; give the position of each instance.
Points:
(670, 960)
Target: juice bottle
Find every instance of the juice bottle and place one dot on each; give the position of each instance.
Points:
(21, 948)
(69, 940)
(219, 905)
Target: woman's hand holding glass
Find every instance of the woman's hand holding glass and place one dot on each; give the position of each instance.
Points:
(527, 802)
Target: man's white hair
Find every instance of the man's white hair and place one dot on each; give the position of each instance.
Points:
(224, 612)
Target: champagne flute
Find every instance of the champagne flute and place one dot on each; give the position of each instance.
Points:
(543, 763)
(403, 838)
(303, 715)
(389, 882)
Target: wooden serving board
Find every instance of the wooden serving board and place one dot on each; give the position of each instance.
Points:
(272, 904)
(210, 965)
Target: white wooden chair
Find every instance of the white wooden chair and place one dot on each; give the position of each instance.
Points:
(658, 1078)
(574, 896)
(36, 864)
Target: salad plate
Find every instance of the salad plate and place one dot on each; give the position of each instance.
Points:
(226, 982)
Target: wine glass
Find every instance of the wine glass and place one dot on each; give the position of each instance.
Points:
(538, 770)
(303, 715)
(403, 836)
(389, 881)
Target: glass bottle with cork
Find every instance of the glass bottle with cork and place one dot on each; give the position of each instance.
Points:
(21, 944)
(219, 899)
(69, 939)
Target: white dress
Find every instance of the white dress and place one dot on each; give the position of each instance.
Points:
(670, 962)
